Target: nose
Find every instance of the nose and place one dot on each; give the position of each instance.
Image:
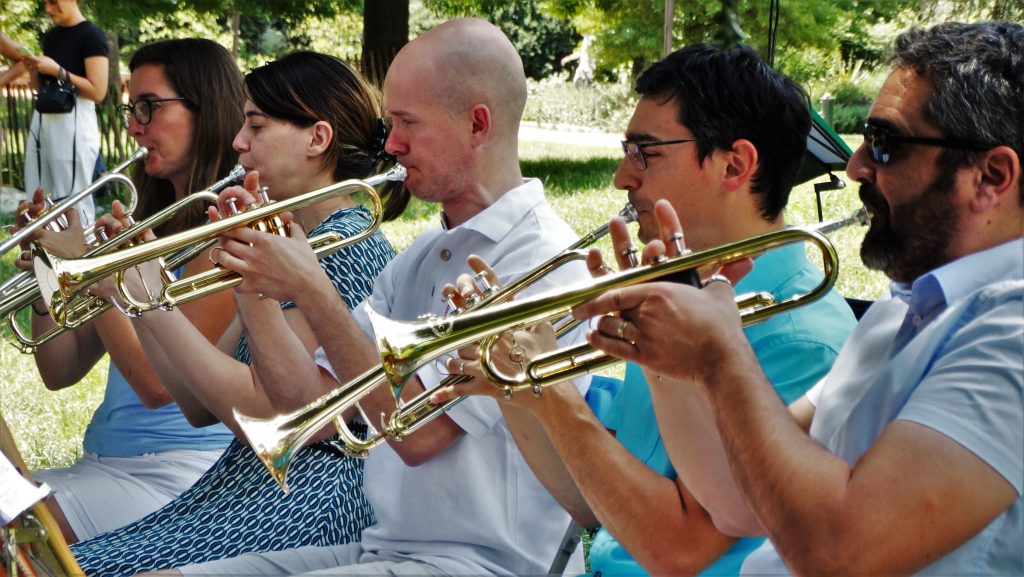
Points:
(240, 143)
(395, 145)
(626, 175)
(134, 128)
(860, 167)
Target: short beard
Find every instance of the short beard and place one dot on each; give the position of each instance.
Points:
(913, 239)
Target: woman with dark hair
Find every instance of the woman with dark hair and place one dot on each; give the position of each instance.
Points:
(139, 450)
(310, 121)
(63, 144)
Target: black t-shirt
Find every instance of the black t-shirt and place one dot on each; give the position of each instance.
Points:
(69, 47)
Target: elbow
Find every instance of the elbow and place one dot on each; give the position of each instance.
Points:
(677, 561)
(199, 419)
(153, 402)
(412, 458)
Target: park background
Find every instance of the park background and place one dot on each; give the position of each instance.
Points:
(835, 48)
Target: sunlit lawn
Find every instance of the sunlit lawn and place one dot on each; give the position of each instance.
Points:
(48, 426)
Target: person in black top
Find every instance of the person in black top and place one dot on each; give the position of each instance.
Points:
(63, 147)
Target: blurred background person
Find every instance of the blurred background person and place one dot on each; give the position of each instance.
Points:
(62, 148)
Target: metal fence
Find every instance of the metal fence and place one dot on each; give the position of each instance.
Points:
(19, 100)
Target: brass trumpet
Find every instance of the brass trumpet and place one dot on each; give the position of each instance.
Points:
(86, 307)
(570, 362)
(62, 279)
(52, 217)
(53, 213)
(407, 346)
(276, 440)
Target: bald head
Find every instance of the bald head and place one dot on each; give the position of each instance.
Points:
(470, 62)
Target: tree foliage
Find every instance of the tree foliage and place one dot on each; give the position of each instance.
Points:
(541, 39)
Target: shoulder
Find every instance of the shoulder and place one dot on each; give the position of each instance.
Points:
(92, 39)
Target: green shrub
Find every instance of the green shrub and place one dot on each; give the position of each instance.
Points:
(850, 118)
(556, 102)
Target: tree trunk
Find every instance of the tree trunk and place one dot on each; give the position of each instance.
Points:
(670, 14)
(115, 149)
(385, 31)
(236, 27)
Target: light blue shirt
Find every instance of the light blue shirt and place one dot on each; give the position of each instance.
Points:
(946, 352)
(123, 427)
(795, 350)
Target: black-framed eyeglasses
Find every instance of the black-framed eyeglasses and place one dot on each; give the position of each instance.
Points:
(635, 150)
(883, 143)
(142, 110)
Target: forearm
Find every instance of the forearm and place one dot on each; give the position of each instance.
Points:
(644, 510)
(348, 349)
(687, 425)
(792, 485)
(283, 362)
(121, 342)
(546, 463)
(64, 360)
(205, 382)
(11, 74)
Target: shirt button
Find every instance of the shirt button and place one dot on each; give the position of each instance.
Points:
(446, 254)
(917, 320)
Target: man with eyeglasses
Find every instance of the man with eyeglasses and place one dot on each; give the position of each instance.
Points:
(718, 136)
(909, 456)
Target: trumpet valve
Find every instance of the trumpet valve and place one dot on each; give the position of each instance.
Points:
(232, 206)
(485, 285)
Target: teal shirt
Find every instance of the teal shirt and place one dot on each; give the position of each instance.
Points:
(795, 350)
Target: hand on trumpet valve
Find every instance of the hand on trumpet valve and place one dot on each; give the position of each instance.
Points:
(109, 225)
(510, 353)
(282, 268)
(28, 210)
(69, 242)
(235, 199)
(468, 289)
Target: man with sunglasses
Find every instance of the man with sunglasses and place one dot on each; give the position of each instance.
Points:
(718, 135)
(909, 456)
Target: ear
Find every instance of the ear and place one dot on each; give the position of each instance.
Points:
(480, 116)
(320, 136)
(999, 179)
(740, 164)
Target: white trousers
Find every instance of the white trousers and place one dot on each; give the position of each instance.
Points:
(98, 494)
(337, 560)
(60, 155)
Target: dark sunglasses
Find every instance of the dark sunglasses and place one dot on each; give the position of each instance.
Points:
(883, 143)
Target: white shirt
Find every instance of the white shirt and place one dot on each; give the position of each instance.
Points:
(476, 507)
(946, 353)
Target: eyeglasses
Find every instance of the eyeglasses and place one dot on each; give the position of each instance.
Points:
(142, 110)
(635, 150)
(883, 143)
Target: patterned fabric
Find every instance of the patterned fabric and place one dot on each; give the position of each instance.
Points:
(236, 507)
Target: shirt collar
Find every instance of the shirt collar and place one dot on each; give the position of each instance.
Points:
(497, 220)
(955, 280)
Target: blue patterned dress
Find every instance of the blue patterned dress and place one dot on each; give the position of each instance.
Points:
(236, 507)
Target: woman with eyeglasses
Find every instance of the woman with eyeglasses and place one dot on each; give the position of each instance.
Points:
(63, 146)
(139, 450)
(311, 121)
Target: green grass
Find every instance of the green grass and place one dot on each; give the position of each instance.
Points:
(49, 426)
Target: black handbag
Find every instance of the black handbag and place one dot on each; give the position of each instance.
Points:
(56, 96)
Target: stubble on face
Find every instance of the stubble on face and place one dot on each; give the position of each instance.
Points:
(912, 238)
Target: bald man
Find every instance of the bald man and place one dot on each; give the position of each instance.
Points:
(456, 497)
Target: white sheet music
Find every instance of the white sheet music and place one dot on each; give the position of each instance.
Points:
(16, 494)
